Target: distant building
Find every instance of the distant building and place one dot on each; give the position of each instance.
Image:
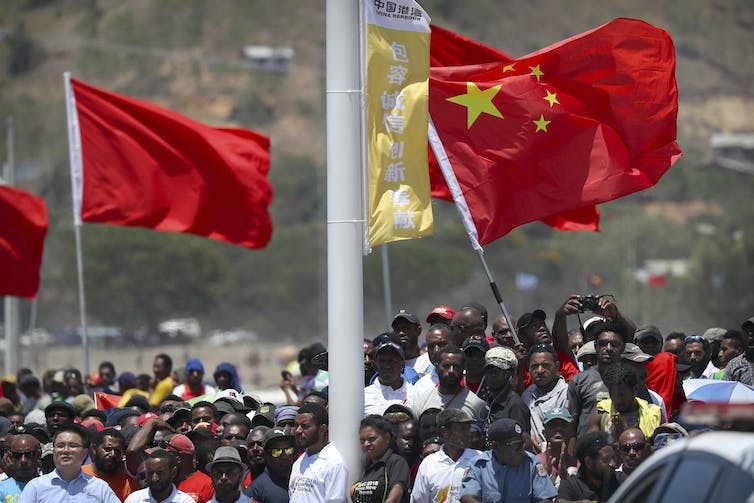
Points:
(271, 59)
(734, 151)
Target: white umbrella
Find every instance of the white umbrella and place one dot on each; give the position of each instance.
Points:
(715, 391)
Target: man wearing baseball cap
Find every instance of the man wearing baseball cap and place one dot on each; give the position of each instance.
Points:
(440, 474)
(188, 479)
(389, 387)
(499, 366)
(407, 328)
(507, 473)
(532, 330)
(279, 455)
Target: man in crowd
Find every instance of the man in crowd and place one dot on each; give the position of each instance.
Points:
(406, 328)
(59, 414)
(67, 482)
(587, 388)
(440, 474)
(226, 470)
(532, 330)
(106, 453)
(193, 387)
(556, 455)
(597, 479)
(450, 393)
(279, 454)
(389, 387)
(547, 391)
(674, 343)
(649, 339)
(741, 368)
(700, 359)
(203, 412)
(474, 349)
(320, 474)
(161, 468)
(370, 367)
(162, 384)
(467, 321)
(501, 332)
(507, 472)
(21, 463)
(188, 479)
(731, 346)
(255, 441)
(438, 337)
(633, 449)
(502, 401)
(440, 314)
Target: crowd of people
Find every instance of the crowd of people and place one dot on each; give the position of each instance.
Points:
(535, 414)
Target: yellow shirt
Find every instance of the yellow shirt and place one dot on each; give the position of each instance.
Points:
(163, 389)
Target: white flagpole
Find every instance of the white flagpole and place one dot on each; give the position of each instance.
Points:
(74, 149)
(463, 209)
(345, 229)
(12, 325)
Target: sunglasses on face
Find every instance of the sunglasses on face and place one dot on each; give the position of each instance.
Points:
(693, 338)
(276, 453)
(608, 342)
(29, 454)
(539, 348)
(636, 447)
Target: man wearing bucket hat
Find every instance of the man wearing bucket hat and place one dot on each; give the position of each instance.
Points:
(502, 401)
(507, 472)
(227, 469)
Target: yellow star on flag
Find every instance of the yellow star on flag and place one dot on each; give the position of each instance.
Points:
(508, 68)
(541, 124)
(551, 97)
(536, 71)
(477, 102)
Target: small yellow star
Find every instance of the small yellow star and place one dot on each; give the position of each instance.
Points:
(541, 124)
(552, 98)
(477, 102)
(508, 68)
(536, 71)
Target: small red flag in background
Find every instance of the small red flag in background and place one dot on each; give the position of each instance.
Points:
(451, 49)
(587, 120)
(147, 166)
(104, 401)
(23, 225)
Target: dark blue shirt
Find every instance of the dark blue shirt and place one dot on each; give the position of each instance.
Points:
(267, 488)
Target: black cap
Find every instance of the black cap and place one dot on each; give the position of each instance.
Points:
(526, 318)
(60, 405)
(475, 341)
(504, 429)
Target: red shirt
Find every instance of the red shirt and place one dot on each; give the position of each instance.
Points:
(198, 486)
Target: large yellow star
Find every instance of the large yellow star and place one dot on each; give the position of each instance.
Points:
(536, 71)
(508, 68)
(477, 102)
(552, 98)
(541, 123)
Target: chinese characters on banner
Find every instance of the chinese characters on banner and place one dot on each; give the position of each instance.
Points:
(397, 102)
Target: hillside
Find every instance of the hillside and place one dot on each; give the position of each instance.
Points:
(186, 55)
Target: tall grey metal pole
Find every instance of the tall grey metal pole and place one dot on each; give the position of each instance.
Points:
(11, 325)
(345, 221)
(386, 286)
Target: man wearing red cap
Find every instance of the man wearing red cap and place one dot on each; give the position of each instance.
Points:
(189, 480)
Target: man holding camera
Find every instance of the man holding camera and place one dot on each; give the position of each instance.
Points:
(601, 305)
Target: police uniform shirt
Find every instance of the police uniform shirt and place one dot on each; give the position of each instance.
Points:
(489, 481)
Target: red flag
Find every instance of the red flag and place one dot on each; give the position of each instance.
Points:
(105, 401)
(23, 225)
(584, 121)
(146, 166)
(451, 49)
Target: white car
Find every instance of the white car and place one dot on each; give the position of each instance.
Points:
(710, 467)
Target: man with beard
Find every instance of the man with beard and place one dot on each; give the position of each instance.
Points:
(449, 392)
(320, 474)
(20, 461)
(597, 479)
(438, 337)
(107, 455)
(161, 468)
(586, 389)
(227, 469)
(279, 454)
(507, 473)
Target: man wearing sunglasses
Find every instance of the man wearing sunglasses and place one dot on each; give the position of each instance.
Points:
(507, 473)
(279, 455)
(633, 449)
(21, 462)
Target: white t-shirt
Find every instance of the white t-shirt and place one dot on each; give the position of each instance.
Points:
(439, 477)
(143, 496)
(426, 383)
(377, 397)
(422, 365)
(322, 477)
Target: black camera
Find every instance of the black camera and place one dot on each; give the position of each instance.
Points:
(590, 302)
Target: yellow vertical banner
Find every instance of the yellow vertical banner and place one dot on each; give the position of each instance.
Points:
(397, 108)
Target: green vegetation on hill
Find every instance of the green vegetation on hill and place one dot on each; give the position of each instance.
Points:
(186, 55)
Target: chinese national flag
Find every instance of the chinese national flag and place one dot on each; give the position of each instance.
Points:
(147, 166)
(104, 401)
(587, 120)
(448, 48)
(23, 225)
